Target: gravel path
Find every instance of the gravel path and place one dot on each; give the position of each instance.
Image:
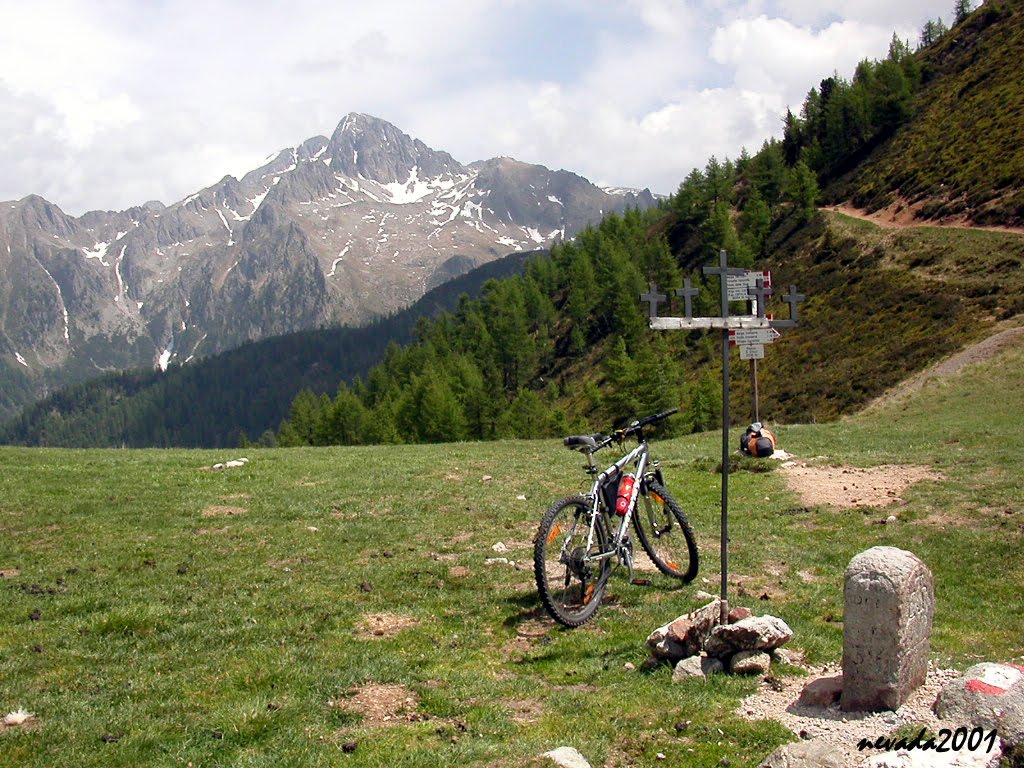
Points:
(843, 730)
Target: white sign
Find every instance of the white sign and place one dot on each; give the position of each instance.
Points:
(751, 352)
(746, 336)
(738, 284)
(705, 323)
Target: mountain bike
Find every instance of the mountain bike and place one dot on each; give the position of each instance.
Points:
(581, 536)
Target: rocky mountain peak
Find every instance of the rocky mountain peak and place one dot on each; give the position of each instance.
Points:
(371, 148)
(333, 230)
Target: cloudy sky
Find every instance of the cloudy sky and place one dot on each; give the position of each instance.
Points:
(110, 103)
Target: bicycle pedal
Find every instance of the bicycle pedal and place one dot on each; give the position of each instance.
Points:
(641, 582)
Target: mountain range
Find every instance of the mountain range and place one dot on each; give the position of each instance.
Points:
(876, 202)
(337, 230)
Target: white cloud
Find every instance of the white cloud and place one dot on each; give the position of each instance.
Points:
(116, 102)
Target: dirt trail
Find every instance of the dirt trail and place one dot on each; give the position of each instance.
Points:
(902, 216)
(1009, 333)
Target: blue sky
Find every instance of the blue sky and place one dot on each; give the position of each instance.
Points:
(110, 103)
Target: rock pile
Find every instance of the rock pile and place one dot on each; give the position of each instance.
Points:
(697, 644)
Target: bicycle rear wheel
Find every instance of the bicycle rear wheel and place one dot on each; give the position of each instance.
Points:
(665, 533)
(570, 587)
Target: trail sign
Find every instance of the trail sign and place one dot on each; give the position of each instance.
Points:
(738, 284)
(755, 330)
(742, 337)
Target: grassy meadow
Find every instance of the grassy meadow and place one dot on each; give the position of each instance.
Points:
(155, 612)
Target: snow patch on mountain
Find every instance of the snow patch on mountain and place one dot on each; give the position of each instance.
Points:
(98, 251)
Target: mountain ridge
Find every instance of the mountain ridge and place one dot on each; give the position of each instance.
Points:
(335, 230)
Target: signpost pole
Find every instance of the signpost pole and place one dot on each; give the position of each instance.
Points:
(723, 271)
(725, 462)
(753, 386)
(749, 332)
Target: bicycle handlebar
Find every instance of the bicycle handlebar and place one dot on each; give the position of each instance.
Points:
(598, 441)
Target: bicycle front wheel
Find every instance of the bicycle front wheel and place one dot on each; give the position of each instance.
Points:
(665, 533)
(570, 585)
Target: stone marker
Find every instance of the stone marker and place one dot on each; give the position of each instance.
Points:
(889, 597)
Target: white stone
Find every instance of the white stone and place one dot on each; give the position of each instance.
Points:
(567, 757)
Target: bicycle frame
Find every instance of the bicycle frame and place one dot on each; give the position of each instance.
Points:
(640, 457)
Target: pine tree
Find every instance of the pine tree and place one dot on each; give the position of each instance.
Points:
(792, 138)
(720, 233)
(755, 224)
(581, 296)
(803, 190)
(526, 417)
(961, 10)
(704, 411)
(620, 376)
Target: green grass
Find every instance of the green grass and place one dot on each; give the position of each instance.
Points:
(164, 614)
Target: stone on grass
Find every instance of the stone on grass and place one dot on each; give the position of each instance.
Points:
(889, 602)
(987, 696)
(686, 635)
(750, 663)
(758, 633)
(567, 757)
(696, 666)
(805, 754)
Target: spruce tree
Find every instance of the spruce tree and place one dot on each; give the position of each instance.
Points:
(961, 10)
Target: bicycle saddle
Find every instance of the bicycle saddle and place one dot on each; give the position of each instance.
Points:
(583, 441)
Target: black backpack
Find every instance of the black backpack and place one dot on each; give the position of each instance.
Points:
(757, 441)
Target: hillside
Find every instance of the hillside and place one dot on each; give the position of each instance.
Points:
(245, 391)
(963, 154)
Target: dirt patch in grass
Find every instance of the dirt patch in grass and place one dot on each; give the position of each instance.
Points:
(380, 705)
(525, 711)
(846, 487)
(221, 511)
(9, 573)
(380, 625)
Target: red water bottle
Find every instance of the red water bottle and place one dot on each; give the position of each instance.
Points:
(625, 494)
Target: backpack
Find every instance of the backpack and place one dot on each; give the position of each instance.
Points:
(757, 441)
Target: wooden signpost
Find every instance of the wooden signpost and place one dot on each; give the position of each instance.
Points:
(749, 332)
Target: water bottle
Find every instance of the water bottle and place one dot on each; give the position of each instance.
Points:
(625, 494)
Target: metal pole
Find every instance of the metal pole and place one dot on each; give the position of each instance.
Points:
(725, 472)
(725, 449)
(753, 384)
